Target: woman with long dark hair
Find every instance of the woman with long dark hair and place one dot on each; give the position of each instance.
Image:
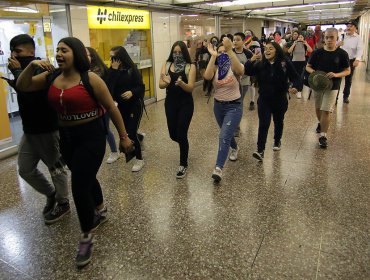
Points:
(80, 98)
(98, 67)
(274, 73)
(178, 78)
(127, 87)
(224, 70)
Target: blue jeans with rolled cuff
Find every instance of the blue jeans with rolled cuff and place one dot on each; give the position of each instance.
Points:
(228, 116)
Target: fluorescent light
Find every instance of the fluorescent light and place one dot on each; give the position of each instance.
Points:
(241, 2)
(246, 2)
(275, 15)
(20, 10)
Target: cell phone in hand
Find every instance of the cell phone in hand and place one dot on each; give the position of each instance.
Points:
(257, 50)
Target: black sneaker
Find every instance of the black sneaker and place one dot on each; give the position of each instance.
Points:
(100, 217)
(84, 252)
(318, 128)
(251, 106)
(181, 172)
(50, 204)
(258, 155)
(323, 142)
(57, 213)
(277, 146)
(345, 100)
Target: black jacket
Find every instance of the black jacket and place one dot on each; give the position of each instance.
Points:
(37, 114)
(273, 79)
(119, 81)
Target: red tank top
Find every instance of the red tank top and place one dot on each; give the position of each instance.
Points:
(73, 104)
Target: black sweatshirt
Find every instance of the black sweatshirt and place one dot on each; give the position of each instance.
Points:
(120, 81)
(34, 108)
(273, 79)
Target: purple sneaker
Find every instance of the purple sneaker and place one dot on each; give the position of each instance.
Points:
(85, 249)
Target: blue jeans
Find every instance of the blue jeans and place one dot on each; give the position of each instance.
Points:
(110, 136)
(228, 116)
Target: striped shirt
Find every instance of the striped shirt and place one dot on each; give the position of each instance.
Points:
(227, 89)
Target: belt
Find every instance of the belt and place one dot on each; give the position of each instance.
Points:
(237, 101)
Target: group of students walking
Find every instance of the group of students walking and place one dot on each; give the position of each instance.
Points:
(66, 111)
(65, 115)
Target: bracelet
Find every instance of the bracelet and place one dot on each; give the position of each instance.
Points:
(124, 136)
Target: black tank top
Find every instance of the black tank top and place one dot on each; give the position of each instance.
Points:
(175, 91)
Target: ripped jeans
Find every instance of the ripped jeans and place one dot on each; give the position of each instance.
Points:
(228, 116)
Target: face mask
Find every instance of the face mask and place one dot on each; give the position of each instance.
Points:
(178, 62)
(224, 63)
(178, 58)
(25, 60)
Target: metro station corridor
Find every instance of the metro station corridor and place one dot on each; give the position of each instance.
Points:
(301, 214)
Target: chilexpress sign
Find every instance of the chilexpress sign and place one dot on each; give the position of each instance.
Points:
(117, 18)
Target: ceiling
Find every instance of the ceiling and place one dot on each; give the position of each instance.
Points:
(298, 11)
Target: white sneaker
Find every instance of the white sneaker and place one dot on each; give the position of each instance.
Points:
(217, 174)
(299, 95)
(234, 154)
(113, 157)
(139, 164)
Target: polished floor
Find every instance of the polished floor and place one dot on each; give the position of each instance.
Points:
(301, 214)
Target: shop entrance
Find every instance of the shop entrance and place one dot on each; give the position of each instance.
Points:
(46, 24)
(128, 28)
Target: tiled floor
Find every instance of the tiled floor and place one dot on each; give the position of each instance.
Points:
(302, 214)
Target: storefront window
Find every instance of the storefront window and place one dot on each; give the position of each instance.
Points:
(231, 25)
(196, 25)
(46, 24)
(197, 31)
(128, 28)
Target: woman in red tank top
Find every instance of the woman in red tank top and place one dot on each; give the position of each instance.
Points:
(82, 133)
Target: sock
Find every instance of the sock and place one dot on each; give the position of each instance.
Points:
(323, 134)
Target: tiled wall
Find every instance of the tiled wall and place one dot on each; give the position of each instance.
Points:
(80, 27)
(165, 33)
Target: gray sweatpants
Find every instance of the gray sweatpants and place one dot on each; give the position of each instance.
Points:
(45, 147)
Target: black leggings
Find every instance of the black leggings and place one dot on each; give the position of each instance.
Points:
(132, 117)
(299, 68)
(179, 112)
(266, 108)
(83, 147)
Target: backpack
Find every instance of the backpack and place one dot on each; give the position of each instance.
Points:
(86, 83)
(187, 68)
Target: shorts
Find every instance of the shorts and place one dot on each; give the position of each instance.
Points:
(325, 100)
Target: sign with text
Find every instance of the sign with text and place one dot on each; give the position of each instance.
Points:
(117, 18)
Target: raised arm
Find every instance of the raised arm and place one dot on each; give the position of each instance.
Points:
(26, 82)
(292, 47)
(210, 70)
(250, 67)
(236, 66)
